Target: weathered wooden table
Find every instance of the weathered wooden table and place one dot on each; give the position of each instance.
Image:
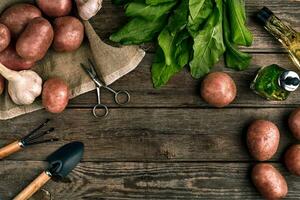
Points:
(167, 143)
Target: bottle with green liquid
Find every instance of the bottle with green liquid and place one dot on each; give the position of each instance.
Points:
(275, 83)
(285, 34)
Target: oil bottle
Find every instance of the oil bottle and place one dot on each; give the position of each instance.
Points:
(282, 32)
(275, 83)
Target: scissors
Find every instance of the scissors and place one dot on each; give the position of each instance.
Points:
(90, 70)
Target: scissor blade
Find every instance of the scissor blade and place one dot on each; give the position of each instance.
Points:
(93, 70)
(92, 66)
(88, 71)
(93, 76)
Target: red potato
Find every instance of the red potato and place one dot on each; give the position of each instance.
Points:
(292, 159)
(55, 8)
(2, 84)
(18, 16)
(269, 182)
(55, 95)
(294, 123)
(218, 89)
(13, 61)
(4, 37)
(69, 33)
(262, 139)
(36, 39)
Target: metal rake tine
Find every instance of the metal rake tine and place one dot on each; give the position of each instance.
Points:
(43, 133)
(38, 135)
(35, 130)
(43, 141)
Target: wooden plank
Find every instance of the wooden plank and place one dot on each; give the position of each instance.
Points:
(151, 134)
(183, 91)
(110, 18)
(134, 180)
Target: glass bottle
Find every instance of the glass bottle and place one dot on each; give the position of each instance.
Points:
(275, 83)
(288, 37)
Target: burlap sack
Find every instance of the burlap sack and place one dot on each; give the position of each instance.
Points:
(111, 64)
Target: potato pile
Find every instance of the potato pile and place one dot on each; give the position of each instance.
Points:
(262, 140)
(26, 34)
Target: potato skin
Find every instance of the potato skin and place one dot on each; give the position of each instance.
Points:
(292, 159)
(218, 89)
(36, 39)
(4, 37)
(55, 95)
(69, 34)
(262, 139)
(2, 84)
(269, 182)
(13, 61)
(294, 123)
(55, 8)
(18, 16)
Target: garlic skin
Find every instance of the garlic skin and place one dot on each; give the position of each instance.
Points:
(23, 86)
(88, 8)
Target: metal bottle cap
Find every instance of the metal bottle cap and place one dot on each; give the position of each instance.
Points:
(289, 81)
(264, 14)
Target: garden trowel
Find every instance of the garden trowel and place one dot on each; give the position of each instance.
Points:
(61, 163)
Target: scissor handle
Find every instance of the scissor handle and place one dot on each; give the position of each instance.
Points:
(118, 96)
(98, 107)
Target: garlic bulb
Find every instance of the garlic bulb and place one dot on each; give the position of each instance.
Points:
(23, 86)
(88, 8)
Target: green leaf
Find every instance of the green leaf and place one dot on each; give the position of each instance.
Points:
(161, 71)
(173, 52)
(234, 58)
(156, 2)
(195, 6)
(208, 44)
(147, 21)
(148, 12)
(240, 34)
(166, 42)
(199, 12)
(182, 49)
(120, 2)
(178, 20)
(138, 31)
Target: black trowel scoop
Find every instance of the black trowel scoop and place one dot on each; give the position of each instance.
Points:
(61, 163)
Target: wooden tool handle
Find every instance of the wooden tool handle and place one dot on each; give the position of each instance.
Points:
(10, 149)
(33, 187)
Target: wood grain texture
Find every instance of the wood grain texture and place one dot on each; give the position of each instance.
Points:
(165, 144)
(33, 187)
(151, 134)
(135, 180)
(111, 17)
(184, 91)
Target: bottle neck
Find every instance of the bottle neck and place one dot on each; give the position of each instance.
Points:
(284, 33)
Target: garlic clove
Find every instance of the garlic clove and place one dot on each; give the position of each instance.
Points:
(25, 90)
(88, 8)
(23, 86)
